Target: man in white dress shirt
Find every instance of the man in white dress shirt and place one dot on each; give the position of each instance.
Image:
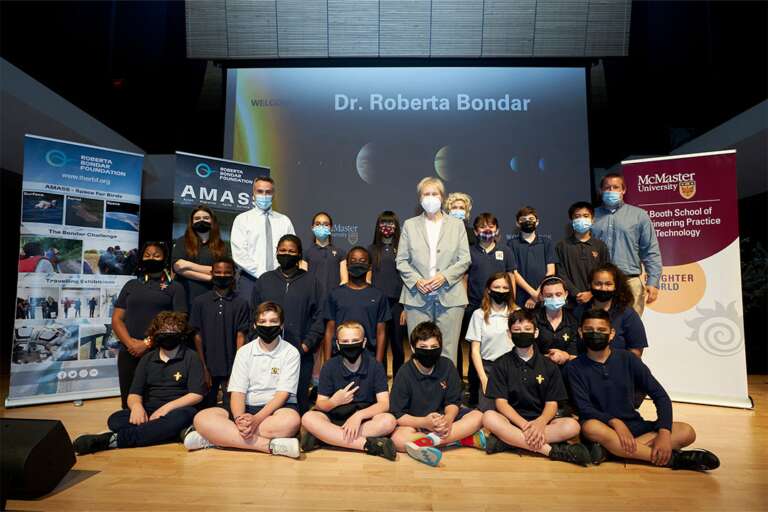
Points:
(255, 234)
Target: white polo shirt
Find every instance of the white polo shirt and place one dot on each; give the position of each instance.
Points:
(493, 337)
(260, 374)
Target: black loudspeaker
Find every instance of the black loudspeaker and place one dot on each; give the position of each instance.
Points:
(34, 457)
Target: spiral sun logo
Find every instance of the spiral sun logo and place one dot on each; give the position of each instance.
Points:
(717, 331)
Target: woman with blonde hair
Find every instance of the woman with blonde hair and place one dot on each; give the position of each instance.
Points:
(432, 258)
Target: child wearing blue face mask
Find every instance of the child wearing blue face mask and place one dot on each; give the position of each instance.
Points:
(323, 259)
(579, 253)
(558, 327)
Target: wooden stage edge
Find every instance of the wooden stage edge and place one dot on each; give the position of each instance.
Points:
(168, 478)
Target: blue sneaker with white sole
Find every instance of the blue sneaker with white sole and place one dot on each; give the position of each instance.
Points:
(428, 455)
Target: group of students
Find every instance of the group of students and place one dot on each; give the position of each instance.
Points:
(553, 335)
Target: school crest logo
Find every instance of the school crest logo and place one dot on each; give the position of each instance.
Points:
(688, 189)
(444, 384)
(275, 371)
(594, 254)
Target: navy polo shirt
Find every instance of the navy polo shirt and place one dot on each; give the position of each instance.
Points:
(160, 382)
(604, 391)
(531, 261)
(565, 337)
(483, 266)
(370, 378)
(385, 276)
(630, 331)
(417, 394)
(218, 319)
(368, 306)
(323, 263)
(143, 300)
(526, 385)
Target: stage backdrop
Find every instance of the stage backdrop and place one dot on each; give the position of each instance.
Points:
(223, 185)
(78, 247)
(695, 328)
(356, 141)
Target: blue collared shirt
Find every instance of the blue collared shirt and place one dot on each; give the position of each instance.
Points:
(631, 239)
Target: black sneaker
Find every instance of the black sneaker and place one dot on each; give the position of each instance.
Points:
(381, 446)
(309, 442)
(92, 443)
(573, 453)
(695, 460)
(495, 445)
(597, 453)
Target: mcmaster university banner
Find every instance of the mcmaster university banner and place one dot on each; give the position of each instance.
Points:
(695, 328)
(78, 247)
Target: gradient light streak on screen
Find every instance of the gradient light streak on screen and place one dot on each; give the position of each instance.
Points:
(254, 140)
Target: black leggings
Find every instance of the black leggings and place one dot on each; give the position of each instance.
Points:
(126, 368)
(472, 377)
(395, 335)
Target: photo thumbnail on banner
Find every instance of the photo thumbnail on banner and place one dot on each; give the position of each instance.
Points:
(78, 246)
(225, 186)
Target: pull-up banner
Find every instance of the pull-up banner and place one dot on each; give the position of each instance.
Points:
(78, 247)
(225, 186)
(695, 328)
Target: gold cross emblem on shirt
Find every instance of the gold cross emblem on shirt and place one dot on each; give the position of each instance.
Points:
(177, 376)
(539, 379)
(566, 337)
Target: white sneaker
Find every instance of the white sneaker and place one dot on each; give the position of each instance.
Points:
(287, 446)
(194, 441)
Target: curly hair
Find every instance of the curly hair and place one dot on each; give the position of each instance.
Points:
(622, 296)
(173, 319)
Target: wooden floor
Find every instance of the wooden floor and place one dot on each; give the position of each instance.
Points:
(169, 478)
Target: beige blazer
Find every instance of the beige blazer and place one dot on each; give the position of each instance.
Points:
(453, 260)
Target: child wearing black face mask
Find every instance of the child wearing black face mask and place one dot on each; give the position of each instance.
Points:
(352, 401)
(488, 331)
(222, 321)
(526, 387)
(141, 300)
(611, 293)
(535, 257)
(426, 400)
(263, 415)
(359, 301)
(196, 250)
(166, 388)
(299, 293)
(604, 383)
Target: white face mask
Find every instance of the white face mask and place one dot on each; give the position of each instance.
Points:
(431, 204)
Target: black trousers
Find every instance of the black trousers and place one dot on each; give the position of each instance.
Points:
(211, 399)
(472, 378)
(305, 379)
(165, 429)
(126, 368)
(395, 335)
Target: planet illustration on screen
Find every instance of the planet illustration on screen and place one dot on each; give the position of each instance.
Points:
(542, 164)
(513, 164)
(365, 163)
(443, 163)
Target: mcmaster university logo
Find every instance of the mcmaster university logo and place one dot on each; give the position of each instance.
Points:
(688, 189)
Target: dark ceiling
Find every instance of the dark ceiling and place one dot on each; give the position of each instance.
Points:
(691, 66)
